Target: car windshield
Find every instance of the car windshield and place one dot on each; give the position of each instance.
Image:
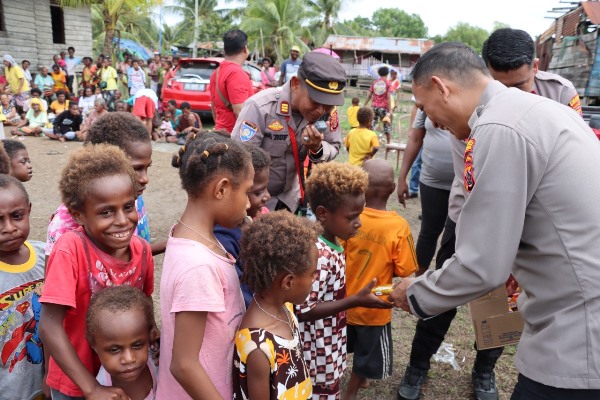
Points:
(200, 69)
(254, 72)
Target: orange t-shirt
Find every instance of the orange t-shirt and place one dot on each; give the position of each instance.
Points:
(382, 248)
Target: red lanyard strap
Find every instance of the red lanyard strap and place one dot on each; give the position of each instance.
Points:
(299, 169)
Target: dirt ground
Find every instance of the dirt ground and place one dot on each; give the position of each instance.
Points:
(165, 201)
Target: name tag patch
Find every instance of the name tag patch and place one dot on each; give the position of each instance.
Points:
(247, 130)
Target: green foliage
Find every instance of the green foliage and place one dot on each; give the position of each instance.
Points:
(393, 22)
(113, 12)
(276, 23)
(471, 35)
(359, 26)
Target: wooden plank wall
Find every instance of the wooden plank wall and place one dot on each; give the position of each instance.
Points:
(28, 33)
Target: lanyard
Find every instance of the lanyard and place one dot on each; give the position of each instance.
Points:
(299, 169)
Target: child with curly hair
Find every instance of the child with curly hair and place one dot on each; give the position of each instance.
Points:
(362, 142)
(129, 134)
(4, 161)
(258, 196)
(383, 248)
(20, 164)
(201, 300)
(21, 280)
(336, 194)
(98, 186)
(280, 260)
(118, 326)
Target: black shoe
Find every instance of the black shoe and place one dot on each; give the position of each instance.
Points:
(484, 386)
(413, 195)
(410, 387)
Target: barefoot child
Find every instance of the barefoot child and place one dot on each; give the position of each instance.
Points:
(21, 277)
(362, 142)
(118, 325)
(280, 260)
(386, 238)
(130, 135)
(200, 296)
(336, 194)
(20, 164)
(98, 187)
(258, 196)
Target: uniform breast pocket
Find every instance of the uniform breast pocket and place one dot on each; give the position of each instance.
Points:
(276, 143)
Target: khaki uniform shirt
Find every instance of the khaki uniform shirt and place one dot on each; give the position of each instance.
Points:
(531, 168)
(264, 122)
(545, 84)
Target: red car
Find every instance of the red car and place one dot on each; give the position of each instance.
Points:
(191, 81)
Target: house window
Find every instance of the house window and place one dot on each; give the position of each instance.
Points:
(2, 27)
(58, 22)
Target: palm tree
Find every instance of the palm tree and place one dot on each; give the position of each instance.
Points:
(186, 9)
(326, 12)
(280, 23)
(111, 12)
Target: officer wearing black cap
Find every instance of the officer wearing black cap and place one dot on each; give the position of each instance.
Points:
(281, 121)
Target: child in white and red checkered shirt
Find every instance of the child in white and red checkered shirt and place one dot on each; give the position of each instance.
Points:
(336, 193)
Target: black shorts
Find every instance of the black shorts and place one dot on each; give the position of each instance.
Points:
(373, 351)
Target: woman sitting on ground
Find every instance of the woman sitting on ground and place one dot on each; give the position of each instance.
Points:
(99, 110)
(34, 121)
(61, 103)
(9, 111)
(86, 102)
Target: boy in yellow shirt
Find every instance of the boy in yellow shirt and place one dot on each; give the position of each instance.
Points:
(382, 248)
(352, 110)
(362, 143)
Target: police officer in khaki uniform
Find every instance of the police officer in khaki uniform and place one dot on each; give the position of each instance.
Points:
(509, 56)
(522, 152)
(281, 121)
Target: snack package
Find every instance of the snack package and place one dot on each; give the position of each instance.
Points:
(382, 290)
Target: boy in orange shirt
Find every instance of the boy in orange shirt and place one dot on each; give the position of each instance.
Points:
(383, 248)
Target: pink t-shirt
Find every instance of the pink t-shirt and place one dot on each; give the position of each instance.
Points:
(196, 279)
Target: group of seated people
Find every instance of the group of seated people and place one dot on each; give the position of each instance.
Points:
(58, 117)
(61, 117)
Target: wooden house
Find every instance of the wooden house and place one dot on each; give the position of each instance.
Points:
(358, 53)
(36, 30)
(569, 47)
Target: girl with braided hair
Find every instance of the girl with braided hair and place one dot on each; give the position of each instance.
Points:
(201, 300)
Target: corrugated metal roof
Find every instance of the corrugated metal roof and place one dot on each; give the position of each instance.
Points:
(380, 44)
(592, 10)
(570, 22)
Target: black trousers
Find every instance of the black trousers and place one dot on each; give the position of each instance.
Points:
(431, 332)
(70, 79)
(527, 389)
(434, 207)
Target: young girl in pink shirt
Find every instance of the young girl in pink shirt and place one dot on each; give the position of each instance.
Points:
(200, 296)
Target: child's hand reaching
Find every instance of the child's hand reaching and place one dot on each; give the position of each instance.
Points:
(365, 298)
(107, 393)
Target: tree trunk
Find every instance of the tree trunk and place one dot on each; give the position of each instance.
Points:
(108, 42)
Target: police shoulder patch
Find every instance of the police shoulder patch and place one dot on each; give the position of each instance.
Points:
(275, 126)
(284, 107)
(469, 172)
(247, 130)
(334, 120)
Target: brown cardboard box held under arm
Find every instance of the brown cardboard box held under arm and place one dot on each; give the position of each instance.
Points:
(495, 325)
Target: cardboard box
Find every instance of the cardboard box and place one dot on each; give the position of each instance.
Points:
(495, 325)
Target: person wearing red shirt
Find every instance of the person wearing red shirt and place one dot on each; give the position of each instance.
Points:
(230, 85)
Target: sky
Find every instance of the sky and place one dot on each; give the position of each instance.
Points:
(440, 15)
